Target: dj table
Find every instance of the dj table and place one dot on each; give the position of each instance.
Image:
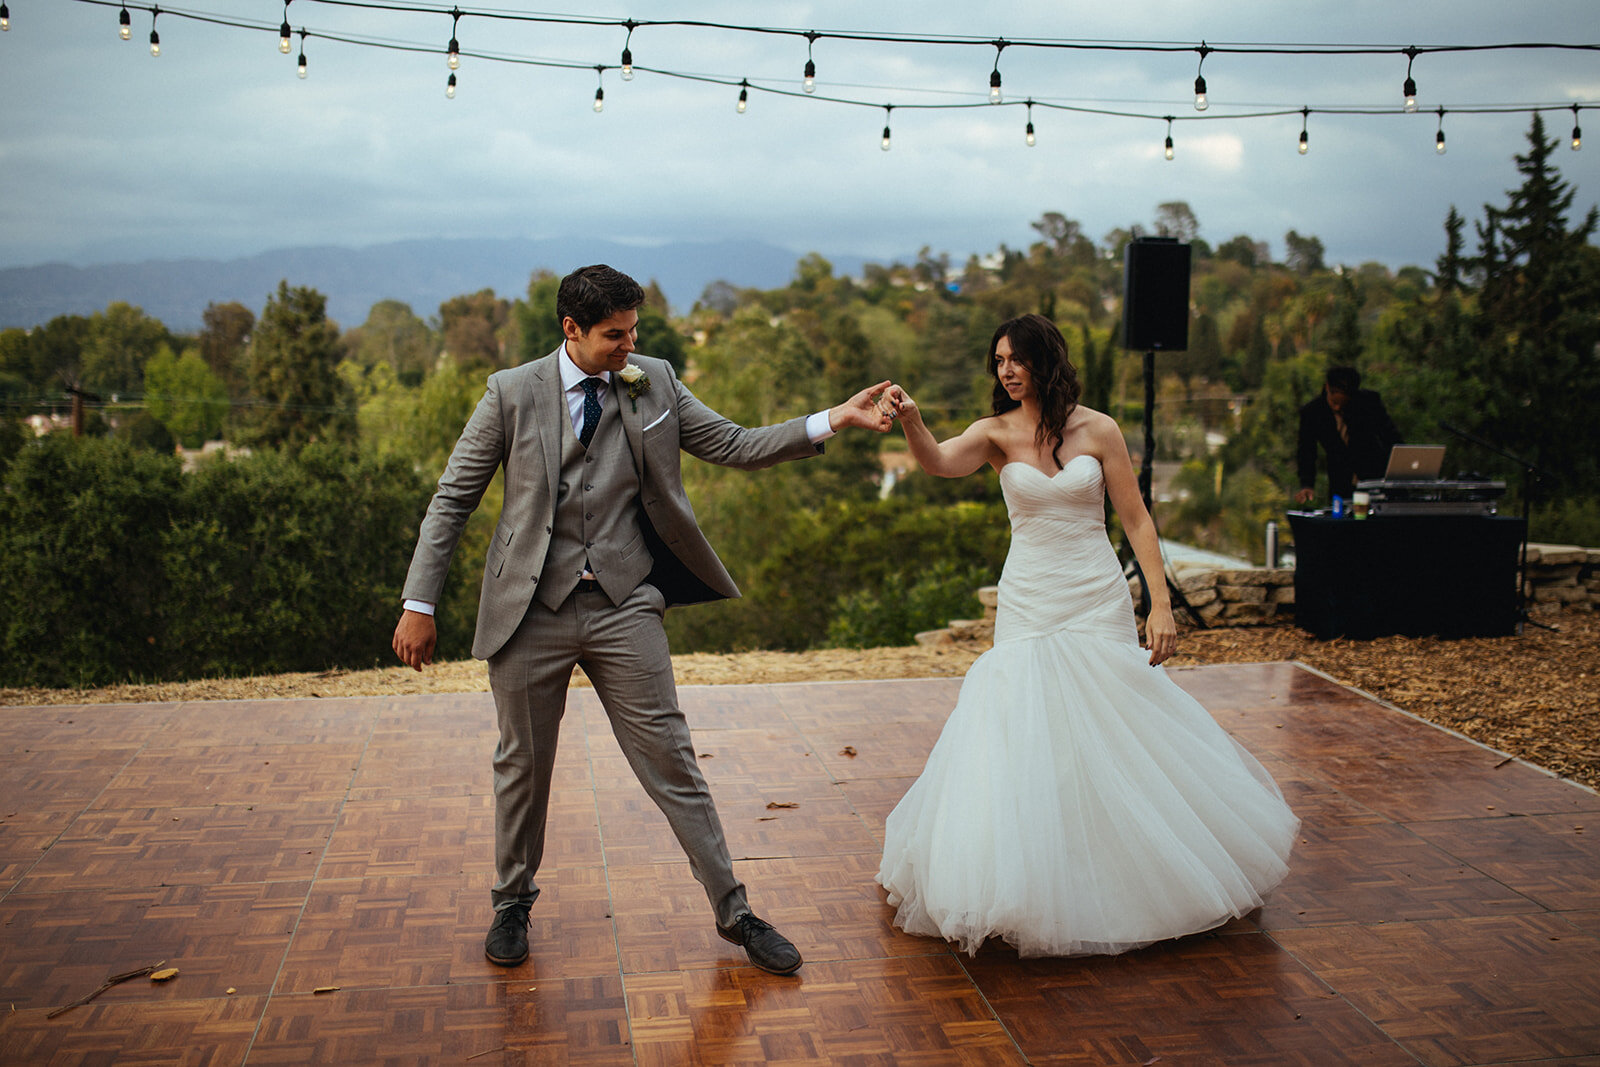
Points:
(1442, 574)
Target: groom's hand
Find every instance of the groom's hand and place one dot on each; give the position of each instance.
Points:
(870, 409)
(414, 639)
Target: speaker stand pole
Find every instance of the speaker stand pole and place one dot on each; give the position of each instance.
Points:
(1146, 471)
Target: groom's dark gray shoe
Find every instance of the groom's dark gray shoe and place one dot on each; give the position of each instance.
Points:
(767, 948)
(507, 943)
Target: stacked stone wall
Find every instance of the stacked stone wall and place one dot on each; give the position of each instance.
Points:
(1560, 578)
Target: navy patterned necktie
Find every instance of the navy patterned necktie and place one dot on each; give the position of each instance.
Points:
(591, 410)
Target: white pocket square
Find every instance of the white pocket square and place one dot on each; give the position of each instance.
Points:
(657, 421)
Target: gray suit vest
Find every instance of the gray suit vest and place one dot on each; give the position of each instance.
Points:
(596, 513)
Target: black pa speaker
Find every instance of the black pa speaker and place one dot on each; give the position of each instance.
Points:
(1155, 295)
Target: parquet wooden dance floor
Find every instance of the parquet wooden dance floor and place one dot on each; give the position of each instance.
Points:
(318, 871)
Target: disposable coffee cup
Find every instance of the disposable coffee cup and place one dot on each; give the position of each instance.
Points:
(1359, 504)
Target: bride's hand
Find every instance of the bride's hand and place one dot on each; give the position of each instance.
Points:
(1160, 635)
(904, 407)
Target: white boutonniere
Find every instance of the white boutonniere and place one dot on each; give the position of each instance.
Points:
(638, 382)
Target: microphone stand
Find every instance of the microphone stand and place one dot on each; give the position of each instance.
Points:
(1530, 478)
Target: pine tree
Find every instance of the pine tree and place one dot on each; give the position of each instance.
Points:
(1539, 322)
(297, 393)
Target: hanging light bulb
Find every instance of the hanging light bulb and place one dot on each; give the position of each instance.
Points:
(1168, 148)
(1438, 138)
(125, 25)
(884, 144)
(1577, 134)
(1410, 86)
(450, 88)
(600, 90)
(1200, 101)
(5, 17)
(744, 94)
(453, 52)
(809, 83)
(1305, 114)
(1028, 133)
(283, 38)
(155, 38)
(627, 53)
(994, 75)
(300, 67)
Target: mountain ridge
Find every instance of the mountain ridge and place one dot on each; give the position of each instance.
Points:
(420, 272)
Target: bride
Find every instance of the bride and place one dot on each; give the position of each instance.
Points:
(1077, 801)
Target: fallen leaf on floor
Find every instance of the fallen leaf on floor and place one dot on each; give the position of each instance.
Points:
(325, 989)
(781, 804)
(848, 750)
(163, 974)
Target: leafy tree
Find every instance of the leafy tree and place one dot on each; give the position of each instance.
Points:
(1175, 219)
(1303, 255)
(119, 342)
(658, 338)
(1244, 251)
(1065, 237)
(185, 396)
(471, 326)
(298, 394)
(395, 336)
(145, 431)
(536, 317)
(1344, 327)
(225, 343)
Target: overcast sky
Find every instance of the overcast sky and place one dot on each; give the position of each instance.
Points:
(216, 149)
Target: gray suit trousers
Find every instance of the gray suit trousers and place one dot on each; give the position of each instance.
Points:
(623, 650)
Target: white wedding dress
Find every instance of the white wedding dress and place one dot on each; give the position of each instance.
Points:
(1077, 801)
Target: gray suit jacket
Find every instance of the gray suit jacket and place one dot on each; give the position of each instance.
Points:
(516, 426)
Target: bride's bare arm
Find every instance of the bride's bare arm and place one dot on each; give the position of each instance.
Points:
(1161, 631)
(959, 456)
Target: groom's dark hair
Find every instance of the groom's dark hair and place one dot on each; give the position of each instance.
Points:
(593, 294)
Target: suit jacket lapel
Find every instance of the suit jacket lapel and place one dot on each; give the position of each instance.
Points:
(550, 406)
(632, 423)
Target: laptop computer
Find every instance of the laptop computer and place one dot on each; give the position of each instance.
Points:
(1414, 463)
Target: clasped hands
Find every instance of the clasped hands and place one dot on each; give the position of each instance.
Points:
(874, 408)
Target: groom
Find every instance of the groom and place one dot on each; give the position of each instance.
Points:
(595, 540)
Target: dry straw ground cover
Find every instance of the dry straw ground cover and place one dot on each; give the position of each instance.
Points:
(1536, 695)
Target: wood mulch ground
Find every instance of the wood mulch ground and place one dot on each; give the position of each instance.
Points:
(1536, 695)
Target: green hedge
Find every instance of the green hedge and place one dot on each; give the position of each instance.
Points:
(117, 566)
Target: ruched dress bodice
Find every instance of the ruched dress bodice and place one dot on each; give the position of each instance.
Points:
(1061, 572)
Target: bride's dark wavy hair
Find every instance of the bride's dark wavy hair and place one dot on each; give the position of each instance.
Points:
(1039, 346)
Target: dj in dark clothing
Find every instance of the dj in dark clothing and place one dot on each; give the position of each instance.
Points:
(1352, 427)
